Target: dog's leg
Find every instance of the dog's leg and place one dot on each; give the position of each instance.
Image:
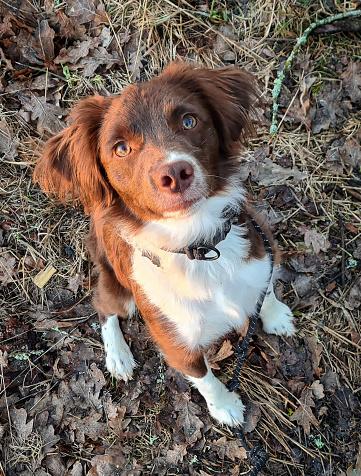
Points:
(276, 317)
(119, 359)
(224, 406)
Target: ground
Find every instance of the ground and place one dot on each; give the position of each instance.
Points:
(60, 411)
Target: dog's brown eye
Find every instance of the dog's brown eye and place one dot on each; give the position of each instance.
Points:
(122, 149)
(189, 122)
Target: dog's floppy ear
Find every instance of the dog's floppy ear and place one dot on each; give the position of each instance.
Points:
(230, 93)
(70, 166)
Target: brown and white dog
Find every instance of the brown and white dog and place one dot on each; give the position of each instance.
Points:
(156, 169)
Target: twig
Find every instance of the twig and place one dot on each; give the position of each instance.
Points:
(300, 41)
(340, 221)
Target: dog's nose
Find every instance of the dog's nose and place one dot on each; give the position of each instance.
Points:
(174, 177)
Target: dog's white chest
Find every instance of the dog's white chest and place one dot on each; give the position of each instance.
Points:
(204, 299)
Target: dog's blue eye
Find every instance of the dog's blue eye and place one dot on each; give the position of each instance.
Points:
(189, 122)
(122, 149)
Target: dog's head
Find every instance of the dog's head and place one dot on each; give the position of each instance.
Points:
(162, 146)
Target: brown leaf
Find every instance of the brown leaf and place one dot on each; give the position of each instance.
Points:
(303, 414)
(8, 143)
(224, 352)
(231, 448)
(80, 11)
(46, 113)
(269, 173)
(175, 456)
(7, 265)
(74, 282)
(331, 108)
(88, 426)
(253, 414)
(74, 53)
(18, 419)
(353, 300)
(108, 464)
(6, 27)
(316, 349)
(351, 81)
(317, 389)
(76, 470)
(45, 36)
(318, 241)
(187, 419)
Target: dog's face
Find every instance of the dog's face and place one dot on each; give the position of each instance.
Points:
(162, 146)
(159, 149)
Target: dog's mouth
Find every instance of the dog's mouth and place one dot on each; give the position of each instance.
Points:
(183, 208)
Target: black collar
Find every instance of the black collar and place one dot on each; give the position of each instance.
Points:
(198, 250)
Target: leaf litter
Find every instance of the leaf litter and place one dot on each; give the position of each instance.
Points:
(60, 412)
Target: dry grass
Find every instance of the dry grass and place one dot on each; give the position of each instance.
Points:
(263, 35)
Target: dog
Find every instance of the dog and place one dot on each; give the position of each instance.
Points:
(156, 168)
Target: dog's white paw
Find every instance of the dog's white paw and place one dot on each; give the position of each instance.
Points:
(119, 359)
(228, 409)
(278, 319)
(120, 363)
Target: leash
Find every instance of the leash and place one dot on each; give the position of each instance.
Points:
(257, 455)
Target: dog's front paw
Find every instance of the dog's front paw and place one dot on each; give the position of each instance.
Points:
(278, 319)
(120, 363)
(228, 409)
(118, 357)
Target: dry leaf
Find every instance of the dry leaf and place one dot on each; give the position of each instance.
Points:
(108, 464)
(18, 419)
(224, 352)
(8, 143)
(231, 448)
(315, 347)
(175, 456)
(317, 389)
(7, 267)
(353, 300)
(303, 414)
(351, 81)
(318, 241)
(187, 419)
(46, 114)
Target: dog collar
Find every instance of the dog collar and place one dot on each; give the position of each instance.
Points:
(199, 250)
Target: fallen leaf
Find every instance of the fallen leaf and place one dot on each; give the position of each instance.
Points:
(353, 299)
(7, 267)
(224, 352)
(231, 448)
(74, 282)
(187, 419)
(18, 419)
(252, 417)
(108, 464)
(317, 389)
(269, 173)
(318, 241)
(176, 455)
(8, 143)
(303, 414)
(357, 470)
(330, 108)
(330, 381)
(351, 82)
(315, 347)
(89, 426)
(46, 114)
(45, 36)
(73, 54)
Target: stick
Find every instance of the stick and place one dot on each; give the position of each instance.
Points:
(300, 41)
